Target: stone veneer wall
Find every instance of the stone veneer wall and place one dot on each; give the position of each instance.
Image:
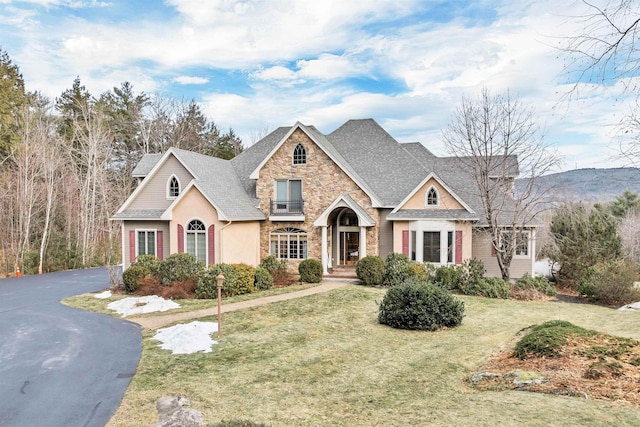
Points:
(322, 182)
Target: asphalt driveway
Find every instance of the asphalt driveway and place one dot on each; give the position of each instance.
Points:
(61, 366)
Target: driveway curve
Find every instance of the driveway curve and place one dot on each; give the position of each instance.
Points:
(60, 366)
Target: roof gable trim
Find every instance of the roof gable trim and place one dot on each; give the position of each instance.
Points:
(439, 181)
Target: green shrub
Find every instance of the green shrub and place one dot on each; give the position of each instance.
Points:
(397, 269)
(448, 276)
(207, 287)
(547, 340)
(246, 278)
(490, 287)
(538, 283)
(179, 268)
(472, 270)
(150, 262)
(132, 275)
(419, 271)
(262, 279)
(420, 306)
(310, 271)
(370, 270)
(611, 283)
(271, 263)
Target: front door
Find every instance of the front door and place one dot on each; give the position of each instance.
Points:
(349, 247)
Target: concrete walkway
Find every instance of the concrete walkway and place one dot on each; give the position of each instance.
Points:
(156, 322)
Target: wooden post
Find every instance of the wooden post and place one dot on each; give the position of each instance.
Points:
(220, 280)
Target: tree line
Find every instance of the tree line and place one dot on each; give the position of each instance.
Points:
(66, 164)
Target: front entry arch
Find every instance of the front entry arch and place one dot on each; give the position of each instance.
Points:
(344, 232)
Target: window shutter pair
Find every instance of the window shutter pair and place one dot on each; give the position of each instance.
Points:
(132, 245)
(210, 242)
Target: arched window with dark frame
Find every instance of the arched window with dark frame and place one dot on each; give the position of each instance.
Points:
(299, 155)
(174, 187)
(432, 197)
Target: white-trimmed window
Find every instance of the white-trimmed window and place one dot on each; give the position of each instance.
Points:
(520, 248)
(197, 240)
(145, 242)
(288, 243)
(299, 155)
(432, 241)
(432, 197)
(173, 187)
(522, 245)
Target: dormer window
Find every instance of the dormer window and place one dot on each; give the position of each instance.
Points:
(299, 155)
(432, 197)
(173, 189)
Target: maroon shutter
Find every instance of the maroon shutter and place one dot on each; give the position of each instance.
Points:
(459, 247)
(180, 239)
(132, 246)
(405, 242)
(493, 249)
(159, 245)
(211, 242)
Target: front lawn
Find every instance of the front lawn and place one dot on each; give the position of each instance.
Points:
(324, 360)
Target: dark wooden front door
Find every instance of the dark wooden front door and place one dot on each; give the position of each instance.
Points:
(349, 247)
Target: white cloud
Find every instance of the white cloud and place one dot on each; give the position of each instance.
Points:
(191, 80)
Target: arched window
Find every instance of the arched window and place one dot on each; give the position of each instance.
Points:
(174, 187)
(288, 243)
(299, 155)
(197, 240)
(432, 197)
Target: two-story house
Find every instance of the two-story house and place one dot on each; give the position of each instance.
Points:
(298, 194)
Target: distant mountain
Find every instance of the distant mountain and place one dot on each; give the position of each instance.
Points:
(589, 185)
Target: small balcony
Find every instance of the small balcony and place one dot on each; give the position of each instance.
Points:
(286, 210)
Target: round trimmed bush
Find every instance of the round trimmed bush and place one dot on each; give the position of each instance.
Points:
(397, 269)
(208, 285)
(132, 275)
(179, 268)
(150, 262)
(271, 263)
(370, 270)
(246, 277)
(420, 306)
(310, 271)
(262, 279)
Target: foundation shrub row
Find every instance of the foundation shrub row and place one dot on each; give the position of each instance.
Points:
(183, 276)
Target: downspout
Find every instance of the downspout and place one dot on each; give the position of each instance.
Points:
(222, 240)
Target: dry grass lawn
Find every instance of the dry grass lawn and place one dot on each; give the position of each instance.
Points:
(324, 360)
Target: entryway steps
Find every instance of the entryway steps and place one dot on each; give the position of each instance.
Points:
(345, 273)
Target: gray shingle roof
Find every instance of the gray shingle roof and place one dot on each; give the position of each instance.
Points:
(450, 214)
(139, 214)
(146, 163)
(219, 182)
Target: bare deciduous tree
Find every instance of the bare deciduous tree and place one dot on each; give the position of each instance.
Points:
(495, 138)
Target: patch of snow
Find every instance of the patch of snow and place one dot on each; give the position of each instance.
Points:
(630, 307)
(140, 305)
(103, 295)
(187, 338)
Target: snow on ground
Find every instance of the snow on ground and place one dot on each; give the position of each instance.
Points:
(103, 295)
(187, 338)
(630, 307)
(140, 305)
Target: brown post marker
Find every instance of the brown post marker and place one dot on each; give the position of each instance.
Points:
(220, 279)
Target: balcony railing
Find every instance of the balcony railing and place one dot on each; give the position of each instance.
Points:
(287, 207)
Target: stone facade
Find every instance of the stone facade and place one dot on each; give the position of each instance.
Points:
(322, 182)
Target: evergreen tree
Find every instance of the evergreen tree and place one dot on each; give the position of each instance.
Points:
(12, 99)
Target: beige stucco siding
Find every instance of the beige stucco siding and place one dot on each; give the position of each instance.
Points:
(234, 242)
(398, 228)
(143, 225)
(419, 199)
(322, 182)
(154, 193)
(467, 239)
(240, 243)
(482, 251)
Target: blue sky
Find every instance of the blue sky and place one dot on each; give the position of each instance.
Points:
(255, 65)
